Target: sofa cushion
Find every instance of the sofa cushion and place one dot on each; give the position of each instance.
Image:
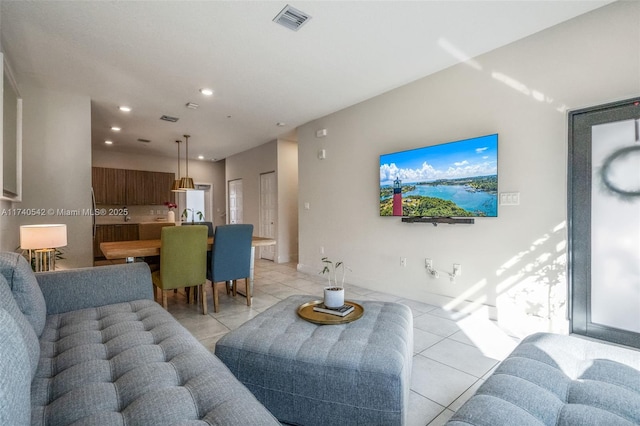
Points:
(14, 387)
(25, 289)
(554, 379)
(133, 363)
(28, 335)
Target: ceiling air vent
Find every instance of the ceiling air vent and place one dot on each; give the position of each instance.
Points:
(291, 18)
(144, 140)
(169, 118)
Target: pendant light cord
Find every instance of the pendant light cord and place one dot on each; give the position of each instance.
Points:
(187, 153)
(179, 142)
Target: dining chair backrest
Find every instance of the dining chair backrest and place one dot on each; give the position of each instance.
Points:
(152, 230)
(183, 256)
(209, 225)
(231, 258)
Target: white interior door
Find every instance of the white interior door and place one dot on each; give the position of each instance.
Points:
(268, 212)
(235, 201)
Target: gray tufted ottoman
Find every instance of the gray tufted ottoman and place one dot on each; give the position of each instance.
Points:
(306, 374)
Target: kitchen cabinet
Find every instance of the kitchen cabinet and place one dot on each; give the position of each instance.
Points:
(137, 187)
(131, 187)
(113, 232)
(161, 187)
(108, 185)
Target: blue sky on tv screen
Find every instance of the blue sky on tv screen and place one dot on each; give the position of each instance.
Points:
(461, 159)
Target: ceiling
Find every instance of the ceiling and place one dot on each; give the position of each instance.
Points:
(154, 56)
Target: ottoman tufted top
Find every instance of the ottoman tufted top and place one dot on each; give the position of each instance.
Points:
(304, 373)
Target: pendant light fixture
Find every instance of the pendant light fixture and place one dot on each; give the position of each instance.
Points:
(176, 183)
(186, 183)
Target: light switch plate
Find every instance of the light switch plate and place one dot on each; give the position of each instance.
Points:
(509, 198)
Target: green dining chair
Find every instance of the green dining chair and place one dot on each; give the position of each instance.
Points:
(152, 231)
(183, 261)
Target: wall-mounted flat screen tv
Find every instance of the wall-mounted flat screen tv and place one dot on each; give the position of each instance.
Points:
(455, 179)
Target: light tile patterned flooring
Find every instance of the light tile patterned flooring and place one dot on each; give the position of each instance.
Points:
(447, 366)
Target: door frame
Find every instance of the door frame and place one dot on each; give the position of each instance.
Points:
(579, 188)
(269, 249)
(229, 184)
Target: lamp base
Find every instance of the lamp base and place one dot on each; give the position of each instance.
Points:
(45, 260)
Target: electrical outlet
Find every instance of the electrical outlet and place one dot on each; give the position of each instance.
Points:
(428, 263)
(403, 261)
(457, 269)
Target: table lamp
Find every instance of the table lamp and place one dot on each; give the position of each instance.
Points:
(43, 239)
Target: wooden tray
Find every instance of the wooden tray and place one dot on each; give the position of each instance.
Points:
(306, 312)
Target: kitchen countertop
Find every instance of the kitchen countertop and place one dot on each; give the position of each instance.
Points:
(120, 221)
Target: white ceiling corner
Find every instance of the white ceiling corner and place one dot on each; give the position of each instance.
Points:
(156, 55)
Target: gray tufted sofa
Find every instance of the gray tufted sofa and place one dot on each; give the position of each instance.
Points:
(91, 347)
(552, 379)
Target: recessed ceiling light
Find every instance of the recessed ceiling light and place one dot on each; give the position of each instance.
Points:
(200, 157)
(281, 124)
(115, 128)
(108, 142)
(206, 92)
(124, 108)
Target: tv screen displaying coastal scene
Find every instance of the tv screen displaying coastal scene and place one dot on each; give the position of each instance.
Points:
(455, 179)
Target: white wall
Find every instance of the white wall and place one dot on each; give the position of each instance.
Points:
(287, 249)
(8, 237)
(57, 167)
(513, 266)
(248, 166)
(278, 156)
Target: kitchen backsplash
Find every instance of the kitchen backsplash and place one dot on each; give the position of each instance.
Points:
(116, 214)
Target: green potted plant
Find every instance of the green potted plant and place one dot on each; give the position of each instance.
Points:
(185, 214)
(334, 292)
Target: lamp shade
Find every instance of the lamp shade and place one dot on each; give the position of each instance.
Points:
(176, 186)
(43, 236)
(186, 183)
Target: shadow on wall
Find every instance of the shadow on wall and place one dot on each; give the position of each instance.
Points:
(531, 287)
(531, 296)
(503, 78)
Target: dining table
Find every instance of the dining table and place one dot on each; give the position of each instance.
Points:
(132, 249)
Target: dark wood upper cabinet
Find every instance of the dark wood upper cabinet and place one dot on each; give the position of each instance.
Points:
(131, 187)
(108, 185)
(159, 184)
(137, 187)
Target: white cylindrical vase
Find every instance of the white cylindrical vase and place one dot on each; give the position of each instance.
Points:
(333, 297)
